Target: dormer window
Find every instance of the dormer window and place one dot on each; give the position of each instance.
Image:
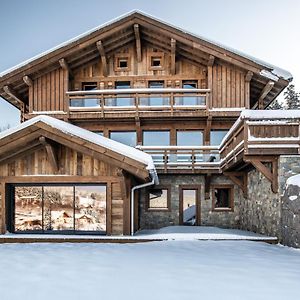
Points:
(155, 61)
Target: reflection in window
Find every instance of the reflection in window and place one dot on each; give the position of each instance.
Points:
(189, 198)
(124, 137)
(89, 101)
(60, 208)
(121, 99)
(158, 199)
(28, 208)
(223, 198)
(155, 100)
(216, 137)
(90, 208)
(189, 99)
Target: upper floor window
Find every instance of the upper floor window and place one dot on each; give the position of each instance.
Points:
(156, 138)
(189, 84)
(122, 85)
(125, 137)
(189, 137)
(156, 84)
(120, 99)
(156, 60)
(89, 86)
(216, 137)
(122, 62)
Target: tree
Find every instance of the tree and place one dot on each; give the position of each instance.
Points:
(275, 105)
(292, 98)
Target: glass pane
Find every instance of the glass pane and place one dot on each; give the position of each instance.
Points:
(156, 84)
(222, 198)
(124, 137)
(85, 102)
(154, 101)
(158, 199)
(122, 85)
(189, 206)
(28, 208)
(189, 100)
(156, 138)
(58, 208)
(189, 138)
(217, 136)
(90, 208)
(192, 84)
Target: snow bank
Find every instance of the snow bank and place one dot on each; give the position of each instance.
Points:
(293, 180)
(88, 136)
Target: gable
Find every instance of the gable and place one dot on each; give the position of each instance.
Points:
(136, 29)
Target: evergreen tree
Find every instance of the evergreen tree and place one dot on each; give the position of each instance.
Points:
(275, 105)
(292, 98)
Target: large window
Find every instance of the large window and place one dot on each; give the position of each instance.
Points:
(190, 99)
(158, 199)
(155, 99)
(55, 208)
(121, 99)
(124, 137)
(216, 137)
(89, 100)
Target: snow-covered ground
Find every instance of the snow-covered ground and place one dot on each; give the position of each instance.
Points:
(157, 270)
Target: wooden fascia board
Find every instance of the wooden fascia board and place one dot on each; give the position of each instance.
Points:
(134, 167)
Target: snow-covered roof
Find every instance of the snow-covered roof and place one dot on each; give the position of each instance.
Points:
(263, 116)
(89, 136)
(271, 72)
(293, 180)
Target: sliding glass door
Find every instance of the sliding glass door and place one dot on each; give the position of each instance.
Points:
(59, 208)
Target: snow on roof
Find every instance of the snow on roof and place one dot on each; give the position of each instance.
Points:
(293, 180)
(262, 115)
(274, 74)
(88, 136)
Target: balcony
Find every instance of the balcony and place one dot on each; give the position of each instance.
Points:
(181, 159)
(139, 102)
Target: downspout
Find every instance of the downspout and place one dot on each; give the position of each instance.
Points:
(138, 187)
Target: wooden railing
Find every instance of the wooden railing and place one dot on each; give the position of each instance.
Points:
(138, 100)
(187, 157)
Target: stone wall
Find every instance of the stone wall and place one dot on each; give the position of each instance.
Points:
(290, 229)
(158, 219)
(261, 210)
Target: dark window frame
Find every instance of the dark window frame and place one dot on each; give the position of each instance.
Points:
(230, 187)
(197, 188)
(88, 84)
(10, 203)
(118, 58)
(159, 209)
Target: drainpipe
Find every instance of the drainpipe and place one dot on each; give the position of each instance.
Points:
(138, 187)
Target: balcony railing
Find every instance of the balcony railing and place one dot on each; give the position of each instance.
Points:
(147, 99)
(183, 157)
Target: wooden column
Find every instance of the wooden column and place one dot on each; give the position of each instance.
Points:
(137, 42)
(101, 50)
(173, 57)
(210, 64)
(248, 78)
(3, 210)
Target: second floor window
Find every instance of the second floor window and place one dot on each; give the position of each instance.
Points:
(216, 137)
(125, 137)
(189, 138)
(121, 99)
(156, 138)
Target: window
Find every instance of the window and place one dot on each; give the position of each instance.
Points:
(121, 99)
(156, 99)
(124, 137)
(189, 84)
(190, 99)
(89, 100)
(122, 62)
(156, 61)
(189, 197)
(89, 86)
(222, 198)
(158, 199)
(156, 138)
(99, 132)
(216, 137)
(59, 208)
(189, 138)
(156, 84)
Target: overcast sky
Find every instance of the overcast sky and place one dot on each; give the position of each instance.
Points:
(266, 29)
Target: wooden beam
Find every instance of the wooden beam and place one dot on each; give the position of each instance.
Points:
(28, 80)
(63, 63)
(207, 130)
(211, 61)
(271, 175)
(248, 76)
(240, 179)
(51, 153)
(101, 50)
(138, 42)
(10, 92)
(268, 87)
(173, 57)
(3, 209)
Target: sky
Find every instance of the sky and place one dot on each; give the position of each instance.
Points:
(266, 29)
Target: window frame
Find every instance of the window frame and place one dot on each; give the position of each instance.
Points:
(122, 131)
(154, 55)
(159, 209)
(230, 187)
(122, 56)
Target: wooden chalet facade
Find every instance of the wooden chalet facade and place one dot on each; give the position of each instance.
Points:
(154, 87)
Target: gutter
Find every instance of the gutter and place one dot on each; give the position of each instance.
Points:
(154, 181)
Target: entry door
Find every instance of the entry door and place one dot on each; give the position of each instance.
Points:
(189, 205)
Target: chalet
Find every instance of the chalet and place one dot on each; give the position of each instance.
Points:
(155, 125)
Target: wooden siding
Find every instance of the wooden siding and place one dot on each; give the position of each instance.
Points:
(48, 91)
(229, 88)
(75, 167)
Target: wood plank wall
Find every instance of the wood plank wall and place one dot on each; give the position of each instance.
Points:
(229, 88)
(48, 91)
(72, 163)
